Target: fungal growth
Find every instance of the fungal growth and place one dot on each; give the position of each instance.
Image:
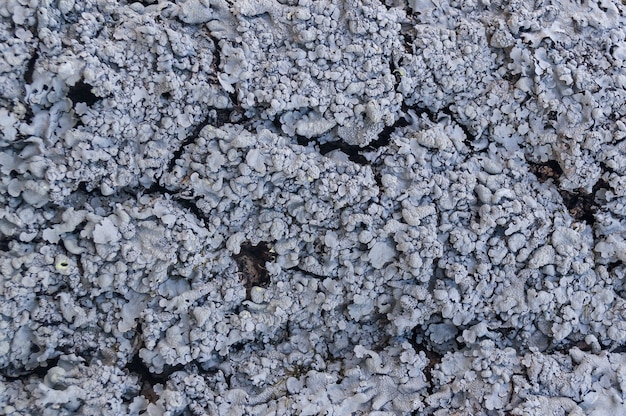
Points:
(312, 207)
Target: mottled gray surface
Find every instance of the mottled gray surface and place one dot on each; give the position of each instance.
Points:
(282, 207)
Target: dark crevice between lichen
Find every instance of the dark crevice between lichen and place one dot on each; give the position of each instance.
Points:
(30, 68)
(407, 32)
(237, 111)
(469, 137)
(217, 59)
(89, 189)
(614, 265)
(619, 349)
(546, 170)
(81, 93)
(4, 244)
(191, 205)
(12, 374)
(145, 3)
(191, 137)
(216, 117)
(251, 262)
(393, 69)
(511, 77)
(148, 380)
(28, 79)
(355, 153)
(308, 273)
(434, 358)
(188, 203)
(581, 205)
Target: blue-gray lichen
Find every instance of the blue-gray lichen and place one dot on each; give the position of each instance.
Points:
(312, 207)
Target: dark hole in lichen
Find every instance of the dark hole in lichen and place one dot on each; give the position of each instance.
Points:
(251, 263)
(547, 170)
(582, 205)
(222, 116)
(613, 265)
(166, 96)
(511, 77)
(81, 93)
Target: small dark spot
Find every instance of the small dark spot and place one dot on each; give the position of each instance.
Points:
(511, 78)
(81, 93)
(222, 116)
(28, 117)
(166, 96)
(303, 141)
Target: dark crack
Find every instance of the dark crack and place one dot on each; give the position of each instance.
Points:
(187, 141)
(356, 153)
(581, 205)
(12, 374)
(148, 380)
(30, 68)
(188, 203)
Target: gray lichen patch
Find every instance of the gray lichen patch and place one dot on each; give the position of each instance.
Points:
(306, 207)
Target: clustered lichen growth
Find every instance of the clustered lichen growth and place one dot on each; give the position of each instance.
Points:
(311, 207)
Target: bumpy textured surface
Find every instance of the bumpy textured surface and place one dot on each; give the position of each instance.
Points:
(302, 207)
